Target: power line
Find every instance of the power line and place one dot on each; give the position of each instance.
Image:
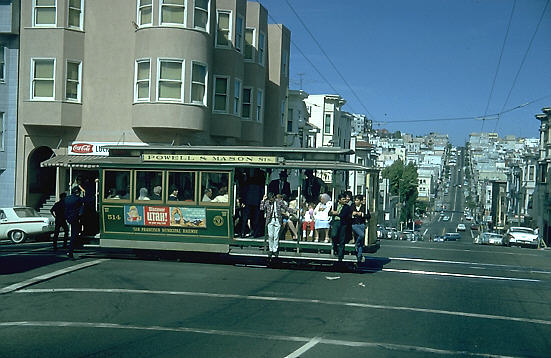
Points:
(494, 116)
(499, 61)
(328, 58)
(307, 59)
(523, 59)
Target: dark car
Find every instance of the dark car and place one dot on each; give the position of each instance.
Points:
(452, 236)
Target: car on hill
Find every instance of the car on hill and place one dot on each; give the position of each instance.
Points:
(452, 236)
(522, 236)
(491, 238)
(18, 223)
(461, 227)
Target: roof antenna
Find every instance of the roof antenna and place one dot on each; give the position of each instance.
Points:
(59, 143)
(172, 144)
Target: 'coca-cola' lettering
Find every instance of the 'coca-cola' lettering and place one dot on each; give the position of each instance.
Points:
(82, 148)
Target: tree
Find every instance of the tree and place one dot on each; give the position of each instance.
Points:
(403, 182)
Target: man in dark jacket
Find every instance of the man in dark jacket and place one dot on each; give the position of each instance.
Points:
(58, 212)
(343, 215)
(74, 206)
(281, 185)
(360, 214)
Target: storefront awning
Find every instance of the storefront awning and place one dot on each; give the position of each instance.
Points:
(83, 161)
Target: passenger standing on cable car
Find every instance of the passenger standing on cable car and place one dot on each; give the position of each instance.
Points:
(274, 207)
(344, 234)
(252, 196)
(74, 207)
(359, 217)
(312, 187)
(281, 185)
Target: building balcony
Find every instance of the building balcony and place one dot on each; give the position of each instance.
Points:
(173, 116)
(51, 114)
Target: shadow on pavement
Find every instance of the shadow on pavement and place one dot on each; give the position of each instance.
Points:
(370, 265)
(22, 263)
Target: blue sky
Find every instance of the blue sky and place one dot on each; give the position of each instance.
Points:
(425, 59)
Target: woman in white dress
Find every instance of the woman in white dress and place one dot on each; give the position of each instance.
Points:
(322, 218)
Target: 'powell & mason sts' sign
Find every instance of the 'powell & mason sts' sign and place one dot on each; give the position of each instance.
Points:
(209, 158)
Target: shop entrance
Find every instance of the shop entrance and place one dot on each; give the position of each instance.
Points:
(40, 181)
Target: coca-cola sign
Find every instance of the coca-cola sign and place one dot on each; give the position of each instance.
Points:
(94, 148)
(82, 148)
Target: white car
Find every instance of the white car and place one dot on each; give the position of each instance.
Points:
(519, 235)
(461, 227)
(18, 223)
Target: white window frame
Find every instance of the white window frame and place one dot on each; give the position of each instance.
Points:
(237, 95)
(136, 81)
(259, 112)
(205, 95)
(81, 19)
(79, 83)
(261, 50)
(226, 110)
(253, 45)
(138, 13)
(182, 78)
(230, 30)
(33, 61)
(250, 103)
(175, 24)
(239, 33)
(34, 15)
(207, 25)
(3, 57)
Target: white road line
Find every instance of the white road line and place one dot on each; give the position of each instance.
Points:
(450, 274)
(335, 342)
(465, 263)
(286, 299)
(304, 348)
(398, 246)
(37, 279)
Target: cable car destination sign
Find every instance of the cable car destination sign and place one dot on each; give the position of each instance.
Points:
(209, 158)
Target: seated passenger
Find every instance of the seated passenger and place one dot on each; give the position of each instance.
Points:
(143, 194)
(222, 196)
(208, 195)
(113, 194)
(157, 193)
(173, 193)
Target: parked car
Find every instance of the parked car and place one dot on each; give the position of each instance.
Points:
(381, 232)
(461, 227)
(439, 238)
(474, 227)
(18, 223)
(392, 233)
(407, 235)
(452, 236)
(490, 238)
(518, 235)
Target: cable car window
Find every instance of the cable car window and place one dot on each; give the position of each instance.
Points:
(149, 186)
(181, 187)
(116, 185)
(215, 187)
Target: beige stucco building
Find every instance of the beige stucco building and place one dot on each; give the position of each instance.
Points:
(144, 71)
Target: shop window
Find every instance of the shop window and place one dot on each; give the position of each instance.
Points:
(147, 185)
(116, 185)
(215, 187)
(181, 187)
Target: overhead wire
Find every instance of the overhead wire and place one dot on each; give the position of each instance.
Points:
(523, 60)
(328, 58)
(308, 60)
(494, 116)
(499, 62)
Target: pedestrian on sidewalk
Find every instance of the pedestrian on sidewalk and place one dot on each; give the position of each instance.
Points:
(58, 212)
(74, 207)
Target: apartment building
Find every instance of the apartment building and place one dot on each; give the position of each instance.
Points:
(9, 57)
(542, 193)
(209, 72)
